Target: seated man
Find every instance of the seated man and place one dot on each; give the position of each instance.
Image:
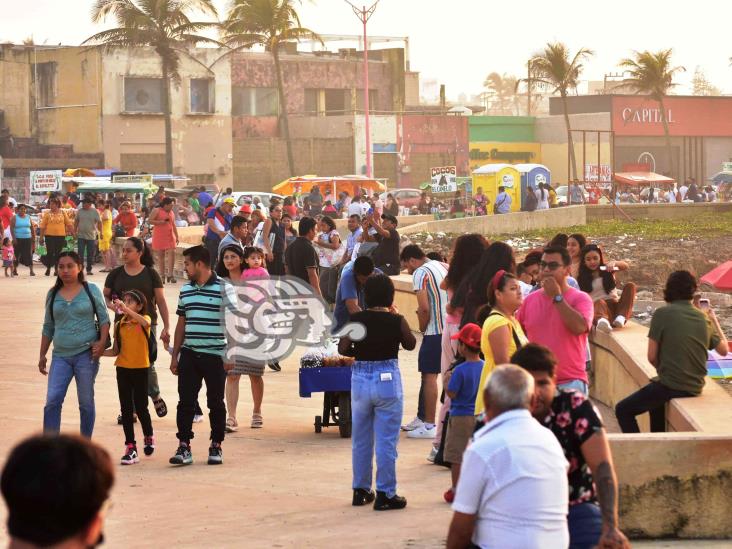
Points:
(593, 513)
(56, 489)
(512, 491)
(678, 340)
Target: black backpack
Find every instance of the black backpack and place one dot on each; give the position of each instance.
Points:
(152, 345)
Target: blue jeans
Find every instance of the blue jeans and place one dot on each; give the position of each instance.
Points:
(84, 369)
(576, 385)
(585, 525)
(377, 404)
(88, 249)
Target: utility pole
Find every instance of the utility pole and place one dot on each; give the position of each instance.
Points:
(364, 14)
(528, 88)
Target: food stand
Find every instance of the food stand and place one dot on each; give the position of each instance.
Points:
(349, 183)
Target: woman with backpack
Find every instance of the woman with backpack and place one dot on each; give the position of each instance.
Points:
(137, 273)
(77, 322)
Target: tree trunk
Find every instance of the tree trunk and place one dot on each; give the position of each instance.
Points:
(166, 116)
(570, 142)
(283, 111)
(667, 134)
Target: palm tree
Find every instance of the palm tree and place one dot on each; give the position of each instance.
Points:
(269, 23)
(163, 25)
(651, 73)
(554, 68)
(501, 89)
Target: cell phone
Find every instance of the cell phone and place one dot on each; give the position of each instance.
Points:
(704, 304)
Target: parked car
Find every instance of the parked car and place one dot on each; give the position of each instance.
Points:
(407, 198)
(562, 195)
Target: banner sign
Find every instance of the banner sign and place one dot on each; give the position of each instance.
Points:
(604, 171)
(146, 178)
(444, 179)
(45, 181)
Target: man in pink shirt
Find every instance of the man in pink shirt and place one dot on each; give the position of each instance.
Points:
(559, 317)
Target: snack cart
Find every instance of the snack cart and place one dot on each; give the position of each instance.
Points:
(332, 376)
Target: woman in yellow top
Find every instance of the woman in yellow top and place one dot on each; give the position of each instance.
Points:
(105, 239)
(130, 347)
(553, 203)
(55, 224)
(502, 334)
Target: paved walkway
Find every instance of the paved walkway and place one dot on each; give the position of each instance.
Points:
(281, 486)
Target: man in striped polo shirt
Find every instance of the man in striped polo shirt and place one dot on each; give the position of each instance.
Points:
(427, 276)
(198, 352)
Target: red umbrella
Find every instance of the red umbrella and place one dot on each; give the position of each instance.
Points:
(721, 277)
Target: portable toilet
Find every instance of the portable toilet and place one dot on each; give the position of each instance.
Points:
(533, 174)
(492, 176)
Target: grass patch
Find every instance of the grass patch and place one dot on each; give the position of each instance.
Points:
(704, 226)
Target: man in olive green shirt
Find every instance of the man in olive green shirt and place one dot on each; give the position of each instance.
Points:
(88, 227)
(678, 340)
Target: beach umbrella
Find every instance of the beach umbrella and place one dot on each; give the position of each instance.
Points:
(719, 367)
(720, 277)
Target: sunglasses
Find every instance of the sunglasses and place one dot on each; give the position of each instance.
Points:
(551, 266)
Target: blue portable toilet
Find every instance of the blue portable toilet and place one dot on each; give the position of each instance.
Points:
(533, 174)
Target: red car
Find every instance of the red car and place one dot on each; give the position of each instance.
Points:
(408, 198)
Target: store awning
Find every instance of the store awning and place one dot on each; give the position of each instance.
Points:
(350, 183)
(642, 178)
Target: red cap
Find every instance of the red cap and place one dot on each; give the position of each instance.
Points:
(470, 335)
(245, 208)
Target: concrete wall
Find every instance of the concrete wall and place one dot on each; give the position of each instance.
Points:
(383, 134)
(15, 99)
(75, 116)
(504, 224)
(202, 143)
(656, 211)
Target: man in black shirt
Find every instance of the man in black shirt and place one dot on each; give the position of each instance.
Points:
(301, 260)
(386, 254)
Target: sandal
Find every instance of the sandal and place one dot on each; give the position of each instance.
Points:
(160, 408)
(257, 422)
(231, 425)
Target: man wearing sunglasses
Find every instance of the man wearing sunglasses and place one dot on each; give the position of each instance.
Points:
(559, 317)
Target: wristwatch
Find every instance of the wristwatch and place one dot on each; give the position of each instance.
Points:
(558, 299)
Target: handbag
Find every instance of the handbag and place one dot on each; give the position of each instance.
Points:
(119, 231)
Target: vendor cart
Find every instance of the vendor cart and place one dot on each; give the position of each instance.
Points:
(335, 384)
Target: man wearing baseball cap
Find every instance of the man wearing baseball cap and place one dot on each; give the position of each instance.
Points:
(463, 384)
(386, 254)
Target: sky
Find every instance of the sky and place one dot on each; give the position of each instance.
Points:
(459, 42)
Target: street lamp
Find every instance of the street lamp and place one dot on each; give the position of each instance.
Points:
(364, 14)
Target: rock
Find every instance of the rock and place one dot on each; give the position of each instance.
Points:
(429, 238)
(644, 295)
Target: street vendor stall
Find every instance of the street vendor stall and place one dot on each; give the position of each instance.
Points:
(640, 179)
(330, 374)
(349, 183)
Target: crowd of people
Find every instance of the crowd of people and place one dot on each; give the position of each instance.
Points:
(504, 360)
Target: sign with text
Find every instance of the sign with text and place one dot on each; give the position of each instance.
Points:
(444, 179)
(45, 181)
(686, 116)
(488, 152)
(727, 166)
(145, 178)
(601, 173)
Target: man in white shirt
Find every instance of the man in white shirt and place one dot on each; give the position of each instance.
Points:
(683, 190)
(355, 207)
(513, 488)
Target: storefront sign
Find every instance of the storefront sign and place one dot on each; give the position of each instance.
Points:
(444, 179)
(482, 153)
(727, 166)
(145, 179)
(686, 116)
(604, 171)
(45, 181)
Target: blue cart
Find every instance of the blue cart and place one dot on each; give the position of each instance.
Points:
(335, 384)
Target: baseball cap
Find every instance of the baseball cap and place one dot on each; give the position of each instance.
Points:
(469, 334)
(391, 218)
(245, 209)
(229, 201)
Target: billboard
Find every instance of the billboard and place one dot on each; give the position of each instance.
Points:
(687, 116)
(444, 179)
(45, 181)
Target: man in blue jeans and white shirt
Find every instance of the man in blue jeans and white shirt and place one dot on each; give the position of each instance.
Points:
(427, 276)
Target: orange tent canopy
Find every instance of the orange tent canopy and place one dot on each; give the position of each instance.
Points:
(642, 178)
(350, 183)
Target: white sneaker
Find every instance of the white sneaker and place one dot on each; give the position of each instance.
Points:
(423, 432)
(604, 326)
(416, 423)
(619, 321)
(198, 418)
(433, 454)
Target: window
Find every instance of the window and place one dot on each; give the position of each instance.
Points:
(255, 101)
(202, 95)
(312, 101)
(373, 101)
(337, 101)
(144, 95)
(46, 85)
